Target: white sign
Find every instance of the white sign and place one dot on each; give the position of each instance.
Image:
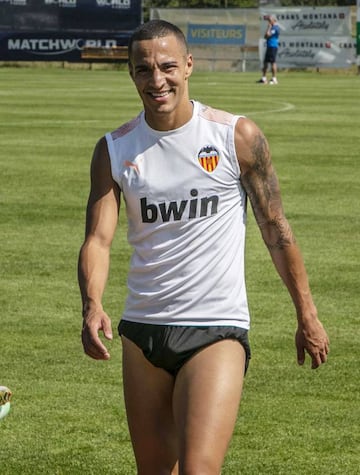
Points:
(312, 37)
(333, 52)
(331, 21)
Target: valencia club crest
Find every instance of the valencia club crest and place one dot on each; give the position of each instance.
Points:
(208, 158)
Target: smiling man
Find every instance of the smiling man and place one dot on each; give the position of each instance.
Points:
(185, 172)
(166, 102)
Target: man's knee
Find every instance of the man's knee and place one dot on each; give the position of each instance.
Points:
(197, 465)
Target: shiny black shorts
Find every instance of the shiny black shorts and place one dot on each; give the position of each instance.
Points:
(270, 55)
(170, 346)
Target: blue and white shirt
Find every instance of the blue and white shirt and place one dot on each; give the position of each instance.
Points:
(273, 40)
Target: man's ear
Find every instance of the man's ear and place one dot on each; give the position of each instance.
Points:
(130, 69)
(189, 66)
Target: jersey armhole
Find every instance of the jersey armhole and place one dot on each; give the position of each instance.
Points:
(232, 143)
(115, 172)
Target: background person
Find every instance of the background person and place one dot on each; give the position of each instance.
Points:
(185, 172)
(272, 44)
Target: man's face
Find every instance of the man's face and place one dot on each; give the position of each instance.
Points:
(160, 69)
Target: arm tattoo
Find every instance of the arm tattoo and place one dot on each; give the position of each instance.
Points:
(262, 188)
(280, 229)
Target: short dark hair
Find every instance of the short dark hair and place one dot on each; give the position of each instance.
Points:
(156, 29)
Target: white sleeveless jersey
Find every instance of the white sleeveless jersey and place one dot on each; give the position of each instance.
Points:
(186, 214)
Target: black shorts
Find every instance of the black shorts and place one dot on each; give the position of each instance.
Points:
(270, 55)
(170, 346)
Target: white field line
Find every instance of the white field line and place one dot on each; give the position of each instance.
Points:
(40, 122)
(283, 107)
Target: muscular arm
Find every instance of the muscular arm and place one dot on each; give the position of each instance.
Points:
(93, 267)
(261, 184)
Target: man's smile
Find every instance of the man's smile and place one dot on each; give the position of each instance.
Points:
(160, 95)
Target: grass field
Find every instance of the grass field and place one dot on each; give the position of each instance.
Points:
(67, 415)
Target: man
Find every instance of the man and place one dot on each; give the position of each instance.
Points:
(272, 44)
(185, 172)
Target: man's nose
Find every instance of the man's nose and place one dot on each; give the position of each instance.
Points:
(157, 77)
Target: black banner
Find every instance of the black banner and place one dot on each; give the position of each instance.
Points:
(57, 30)
(20, 46)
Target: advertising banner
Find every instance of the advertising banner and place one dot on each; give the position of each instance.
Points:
(308, 21)
(59, 15)
(56, 30)
(54, 46)
(312, 37)
(331, 52)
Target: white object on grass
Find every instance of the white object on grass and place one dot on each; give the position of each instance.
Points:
(5, 396)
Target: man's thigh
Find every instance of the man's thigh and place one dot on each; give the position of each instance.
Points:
(148, 398)
(206, 400)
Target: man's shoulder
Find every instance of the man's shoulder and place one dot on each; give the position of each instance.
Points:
(126, 128)
(216, 115)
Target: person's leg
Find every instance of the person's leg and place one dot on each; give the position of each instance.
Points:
(264, 69)
(148, 394)
(273, 69)
(207, 394)
(263, 79)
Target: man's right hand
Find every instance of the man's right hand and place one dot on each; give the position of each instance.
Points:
(93, 323)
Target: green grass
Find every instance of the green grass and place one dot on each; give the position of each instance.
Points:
(67, 414)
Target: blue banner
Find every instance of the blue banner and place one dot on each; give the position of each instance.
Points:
(62, 46)
(216, 34)
(70, 15)
(58, 30)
